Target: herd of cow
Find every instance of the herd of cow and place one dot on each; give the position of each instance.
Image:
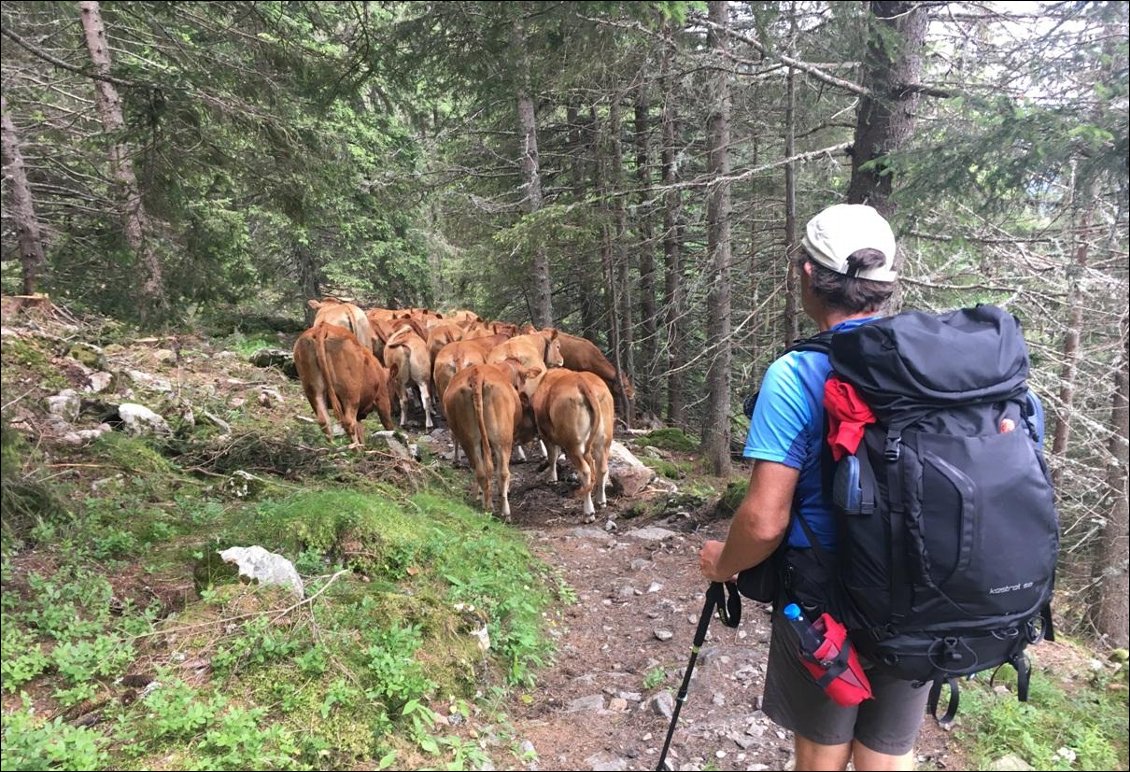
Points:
(495, 384)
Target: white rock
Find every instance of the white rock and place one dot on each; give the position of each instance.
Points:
(140, 420)
(83, 436)
(149, 381)
(65, 405)
(651, 533)
(99, 382)
(628, 475)
(664, 635)
(482, 636)
(265, 567)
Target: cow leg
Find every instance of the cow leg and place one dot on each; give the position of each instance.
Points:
(404, 407)
(541, 445)
(585, 472)
(600, 470)
(425, 400)
(521, 453)
(478, 463)
(502, 464)
(552, 455)
(317, 400)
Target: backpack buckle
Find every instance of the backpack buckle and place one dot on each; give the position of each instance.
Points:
(892, 448)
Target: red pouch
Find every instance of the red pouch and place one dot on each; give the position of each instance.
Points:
(835, 665)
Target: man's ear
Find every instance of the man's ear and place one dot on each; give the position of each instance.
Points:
(807, 268)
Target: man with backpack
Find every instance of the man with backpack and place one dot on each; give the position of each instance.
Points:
(965, 416)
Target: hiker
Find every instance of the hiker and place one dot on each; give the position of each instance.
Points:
(846, 276)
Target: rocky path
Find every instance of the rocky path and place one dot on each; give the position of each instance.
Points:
(605, 703)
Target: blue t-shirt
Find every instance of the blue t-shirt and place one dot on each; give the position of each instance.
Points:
(787, 427)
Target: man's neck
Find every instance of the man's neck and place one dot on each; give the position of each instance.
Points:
(832, 317)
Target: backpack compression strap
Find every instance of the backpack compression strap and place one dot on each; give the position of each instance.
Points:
(935, 695)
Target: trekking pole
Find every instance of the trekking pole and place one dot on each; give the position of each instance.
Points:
(730, 612)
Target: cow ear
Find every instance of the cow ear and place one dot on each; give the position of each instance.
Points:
(314, 304)
(532, 373)
(553, 334)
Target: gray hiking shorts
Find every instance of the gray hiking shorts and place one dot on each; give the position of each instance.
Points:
(889, 723)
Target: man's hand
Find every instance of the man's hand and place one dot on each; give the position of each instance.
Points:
(708, 562)
(758, 526)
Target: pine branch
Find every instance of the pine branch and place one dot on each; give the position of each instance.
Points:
(60, 63)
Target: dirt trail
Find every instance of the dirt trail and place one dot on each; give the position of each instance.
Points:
(603, 703)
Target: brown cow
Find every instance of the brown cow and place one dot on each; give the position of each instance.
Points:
(539, 349)
(442, 334)
(487, 413)
(332, 363)
(462, 317)
(384, 327)
(330, 310)
(406, 354)
(582, 354)
(574, 412)
(459, 355)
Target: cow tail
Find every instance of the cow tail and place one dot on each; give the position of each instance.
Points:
(477, 386)
(326, 366)
(594, 410)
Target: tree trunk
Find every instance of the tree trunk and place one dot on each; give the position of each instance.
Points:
(531, 175)
(580, 144)
(309, 277)
(792, 290)
(886, 117)
(716, 430)
(136, 223)
(1111, 610)
(32, 262)
(620, 281)
(647, 256)
(1076, 302)
(601, 174)
(672, 250)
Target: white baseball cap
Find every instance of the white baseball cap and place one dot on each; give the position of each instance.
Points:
(839, 231)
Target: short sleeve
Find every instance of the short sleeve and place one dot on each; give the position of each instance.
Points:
(777, 430)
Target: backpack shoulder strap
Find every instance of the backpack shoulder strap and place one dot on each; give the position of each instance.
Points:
(821, 342)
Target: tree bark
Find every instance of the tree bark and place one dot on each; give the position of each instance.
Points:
(601, 174)
(531, 176)
(648, 342)
(673, 295)
(621, 284)
(1111, 610)
(135, 220)
(886, 116)
(1076, 302)
(28, 234)
(716, 430)
(792, 320)
(581, 145)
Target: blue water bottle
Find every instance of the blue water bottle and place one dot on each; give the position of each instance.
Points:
(810, 642)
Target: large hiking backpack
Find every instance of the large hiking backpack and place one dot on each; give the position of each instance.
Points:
(948, 530)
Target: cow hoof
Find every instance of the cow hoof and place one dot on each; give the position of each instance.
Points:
(590, 518)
